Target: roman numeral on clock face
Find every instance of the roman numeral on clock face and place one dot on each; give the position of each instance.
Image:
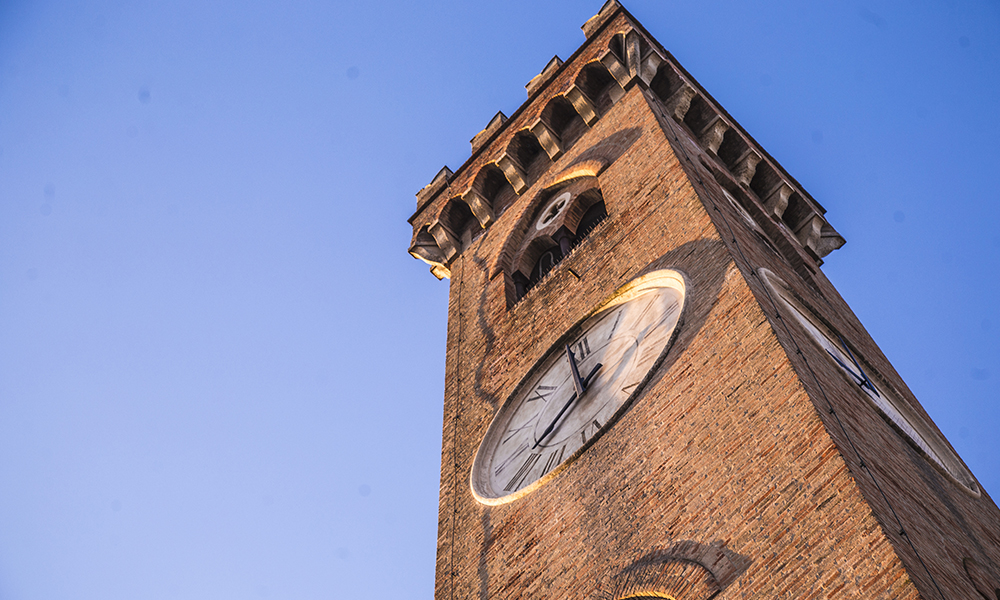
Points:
(515, 481)
(520, 450)
(581, 349)
(554, 459)
(618, 318)
(514, 431)
(541, 392)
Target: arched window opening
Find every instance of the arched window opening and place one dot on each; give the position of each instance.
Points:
(562, 218)
(591, 219)
(546, 261)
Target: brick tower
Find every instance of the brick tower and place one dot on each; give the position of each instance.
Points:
(651, 388)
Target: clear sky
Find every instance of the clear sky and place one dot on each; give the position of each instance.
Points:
(220, 372)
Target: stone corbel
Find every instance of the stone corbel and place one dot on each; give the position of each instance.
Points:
(583, 106)
(480, 208)
(633, 54)
(711, 139)
(829, 240)
(616, 68)
(777, 201)
(679, 103)
(446, 240)
(427, 250)
(517, 178)
(746, 168)
(548, 139)
(441, 271)
(650, 66)
(809, 233)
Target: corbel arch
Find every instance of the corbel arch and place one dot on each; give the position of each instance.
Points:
(523, 160)
(563, 120)
(495, 194)
(597, 83)
(458, 218)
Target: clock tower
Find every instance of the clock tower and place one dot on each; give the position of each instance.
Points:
(651, 388)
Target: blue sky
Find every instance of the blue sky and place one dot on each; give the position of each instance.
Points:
(220, 372)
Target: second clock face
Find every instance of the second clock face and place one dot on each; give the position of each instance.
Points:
(555, 413)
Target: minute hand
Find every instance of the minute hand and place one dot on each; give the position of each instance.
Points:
(552, 425)
(577, 382)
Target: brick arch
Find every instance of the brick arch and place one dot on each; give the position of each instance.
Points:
(673, 578)
(563, 120)
(456, 215)
(617, 47)
(491, 186)
(666, 82)
(598, 85)
(528, 154)
(683, 571)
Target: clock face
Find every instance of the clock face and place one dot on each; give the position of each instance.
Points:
(893, 408)
(578, 388)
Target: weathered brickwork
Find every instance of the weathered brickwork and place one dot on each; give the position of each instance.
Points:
(749, 466)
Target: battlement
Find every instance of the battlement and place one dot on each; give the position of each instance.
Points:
(565, 99)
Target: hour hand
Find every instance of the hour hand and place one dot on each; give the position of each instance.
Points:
(578, 383)
(583, 384)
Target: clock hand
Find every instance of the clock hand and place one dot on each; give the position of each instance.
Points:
(552, 425)
(577, 382)
(860, 377)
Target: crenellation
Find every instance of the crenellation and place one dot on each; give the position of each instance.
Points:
(492, 127)
(430, 190)
(607, 12)
(538, 81)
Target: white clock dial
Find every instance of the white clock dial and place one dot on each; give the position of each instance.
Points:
(547, 420)
(896, 411)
